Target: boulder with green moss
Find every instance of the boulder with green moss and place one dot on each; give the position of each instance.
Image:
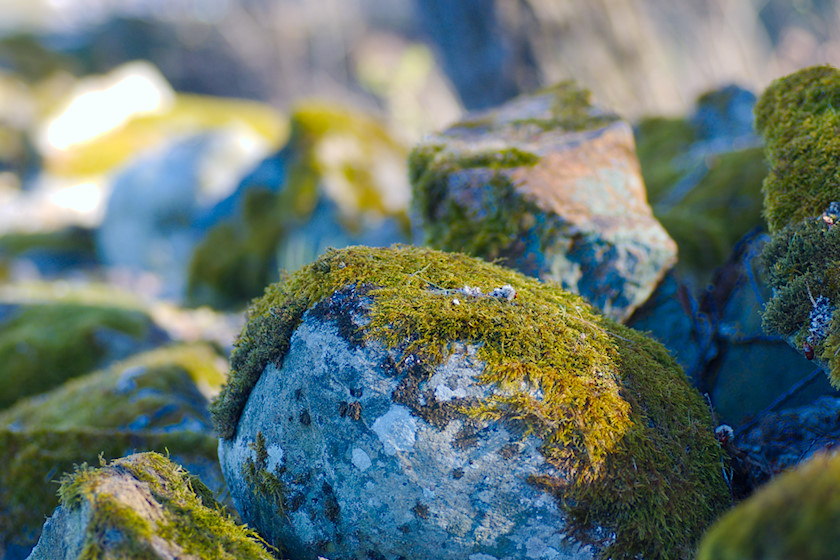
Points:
(703, 176)
(797, 118)
(794, 516)
(408, 402)
(153, 401)
(47, 341)
(340, 180)
(549, 185)
(142, 506)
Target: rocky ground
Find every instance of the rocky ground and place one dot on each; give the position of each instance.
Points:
(541, 332)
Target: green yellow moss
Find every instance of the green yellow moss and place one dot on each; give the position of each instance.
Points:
(33, 460)
(43, 345)
(492, 230)
(723, 204)
(798, 120)
(165, 386)
(617, 413)
(190, 519)
(794, 516)
(331, 145)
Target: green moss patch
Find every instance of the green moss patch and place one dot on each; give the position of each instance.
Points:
(794, 516)
(350, 152)
(797, 116)
(43, 345)
(33, 460)
(189, 518)
(165, 386)
(617, 413)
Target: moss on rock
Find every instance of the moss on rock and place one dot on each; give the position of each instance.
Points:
(35, 458)
(163, 389)
(44, 344)
(796, 115)
(333, 154)
(617, 414)
(175, 513)
(793, 516)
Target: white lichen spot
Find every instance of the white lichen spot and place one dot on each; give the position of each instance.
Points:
(456, 301)
(275, 457)
(360, 459)
(443, 393)
(396, 429)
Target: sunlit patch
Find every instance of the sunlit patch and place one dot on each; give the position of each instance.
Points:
(84, 198)
(104, 103)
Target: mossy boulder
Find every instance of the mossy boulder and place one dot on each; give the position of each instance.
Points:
(797, 117)
(549, 185)
(704, 177)
(50, 253)
(340, 180)
(802, 205)
(153, 401)
(142, 506)
(374, 392)
(48, 341)
(794, 516)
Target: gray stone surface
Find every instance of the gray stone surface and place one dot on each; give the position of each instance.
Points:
(376, 464)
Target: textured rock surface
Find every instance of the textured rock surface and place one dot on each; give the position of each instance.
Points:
(397, 402)
(141, 506)
(550, 185)
(361, 472)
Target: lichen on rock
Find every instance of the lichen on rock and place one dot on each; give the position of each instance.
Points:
(624, 443)
(549, 185)
(142, 506)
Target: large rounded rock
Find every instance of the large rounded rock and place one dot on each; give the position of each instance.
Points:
(389, 403)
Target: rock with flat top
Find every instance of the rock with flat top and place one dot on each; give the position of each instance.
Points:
(550, 185)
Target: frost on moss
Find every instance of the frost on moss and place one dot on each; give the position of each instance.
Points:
(33, 460)
(794, 516)
(335, 157)
(797, 117)
(43, 345)
(175, 513)
(617, 414)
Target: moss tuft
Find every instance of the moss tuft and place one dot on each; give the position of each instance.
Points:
(168, 387)
(43, 345)
(201, 529)
(617, 413)
(798, 119)
(794, 516)
(34, 459)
